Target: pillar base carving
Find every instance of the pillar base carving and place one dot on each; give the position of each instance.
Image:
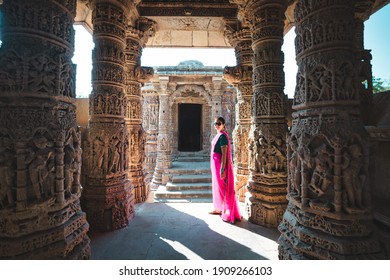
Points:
(140, 189)
(62, 235)
(165, 163)
(266, 204)
(109, 207)
(241, 184)
(309, 236)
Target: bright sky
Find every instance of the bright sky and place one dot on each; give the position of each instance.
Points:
(375, 35)
(377, 39)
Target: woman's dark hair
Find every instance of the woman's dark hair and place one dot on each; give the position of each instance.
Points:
(220, 119)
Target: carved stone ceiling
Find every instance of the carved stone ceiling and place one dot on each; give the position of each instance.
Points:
(189, 32)
(186, 23)
(190, 23)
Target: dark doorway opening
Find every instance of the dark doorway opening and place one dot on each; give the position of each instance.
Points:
(190, 124)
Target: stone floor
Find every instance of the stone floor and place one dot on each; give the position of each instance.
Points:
(184, 231)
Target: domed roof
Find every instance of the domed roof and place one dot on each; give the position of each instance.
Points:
(191, 64)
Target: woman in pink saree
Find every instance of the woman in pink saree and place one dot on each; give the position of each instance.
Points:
(224, 196)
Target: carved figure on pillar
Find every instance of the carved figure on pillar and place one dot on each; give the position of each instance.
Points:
(354, 178)
(40, 165)
(7, 172)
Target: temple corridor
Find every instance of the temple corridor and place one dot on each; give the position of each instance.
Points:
(184, 231)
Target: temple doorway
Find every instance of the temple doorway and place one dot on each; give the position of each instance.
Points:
(190, 125)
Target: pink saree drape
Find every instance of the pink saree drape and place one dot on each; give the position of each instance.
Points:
(224, 197)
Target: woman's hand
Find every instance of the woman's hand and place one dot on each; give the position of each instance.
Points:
(223, 173)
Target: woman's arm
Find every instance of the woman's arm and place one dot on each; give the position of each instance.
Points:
(223, 161)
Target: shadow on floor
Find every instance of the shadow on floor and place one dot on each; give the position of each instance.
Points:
(184, 231)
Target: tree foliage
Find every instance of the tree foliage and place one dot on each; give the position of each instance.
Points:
(379, 85)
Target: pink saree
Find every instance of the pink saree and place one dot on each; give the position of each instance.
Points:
(224, 197)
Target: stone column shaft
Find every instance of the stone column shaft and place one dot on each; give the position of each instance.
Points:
(135, 77)
(240, 76)
(150, 124)
(164, 139)
(364, 57)
(40, 144)
(108, 197)
(329, 210)
(267, 137)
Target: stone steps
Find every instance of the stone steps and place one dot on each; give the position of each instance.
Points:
(188, 181)
(192, 178)
(192, 157)
(183, 195)
(170, 186)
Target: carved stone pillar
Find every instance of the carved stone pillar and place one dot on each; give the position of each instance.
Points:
(362, 12)
(267, 137)
(216, 98)
(240, 76)
(135, 77)
(108, 197)
(150, 125)
(229, 100)
(40, 145)
(164, 139)
(329, 211)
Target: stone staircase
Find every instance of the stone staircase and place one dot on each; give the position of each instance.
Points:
(188, 180)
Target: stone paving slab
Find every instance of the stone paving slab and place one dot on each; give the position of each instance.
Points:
(184, 231)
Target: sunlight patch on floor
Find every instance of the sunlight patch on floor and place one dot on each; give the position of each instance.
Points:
(178, 247)
(244, 232)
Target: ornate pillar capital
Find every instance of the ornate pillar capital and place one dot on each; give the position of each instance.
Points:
(236, 34)
(233, 75)
(363, 9)
(144, 74)
(142, 30)
(162, 85)
(217, 83)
